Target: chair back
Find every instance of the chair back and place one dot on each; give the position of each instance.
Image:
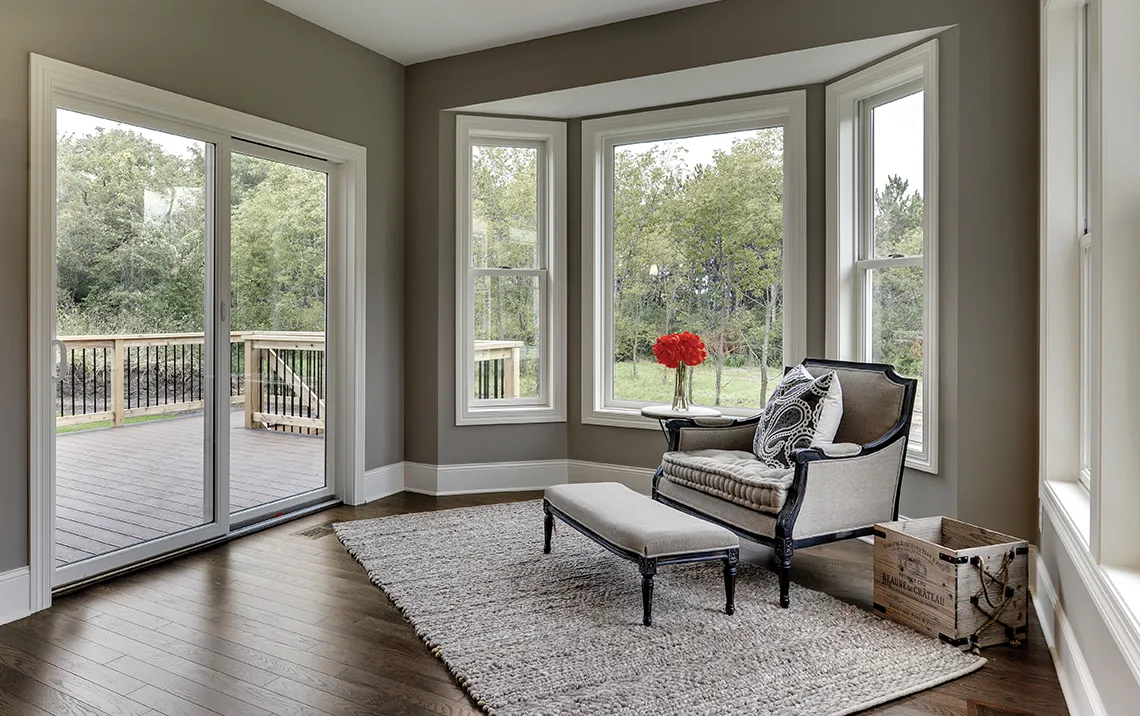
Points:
(875, 398)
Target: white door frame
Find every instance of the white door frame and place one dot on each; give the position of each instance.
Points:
(51, 82)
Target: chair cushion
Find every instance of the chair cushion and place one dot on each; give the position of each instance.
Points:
(803, 411)
(732, 475)
(636, 523)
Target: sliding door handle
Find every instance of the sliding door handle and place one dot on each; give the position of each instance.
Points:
(60, 358)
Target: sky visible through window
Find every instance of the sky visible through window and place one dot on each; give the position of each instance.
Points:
(82, 125)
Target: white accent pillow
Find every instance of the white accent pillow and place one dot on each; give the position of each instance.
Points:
(830, 414)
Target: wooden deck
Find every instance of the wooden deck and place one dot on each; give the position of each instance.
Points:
(116, 487)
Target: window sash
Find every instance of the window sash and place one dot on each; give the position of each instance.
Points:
(542, 192)
(541, 332)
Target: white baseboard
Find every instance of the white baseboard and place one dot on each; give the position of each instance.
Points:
(383, 481)
(468, 479)
(1073, 673)
(635, 478)
(15, 594)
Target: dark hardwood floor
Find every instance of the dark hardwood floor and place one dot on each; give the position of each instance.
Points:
(276, 623)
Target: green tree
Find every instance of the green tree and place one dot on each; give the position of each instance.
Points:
(897, 292)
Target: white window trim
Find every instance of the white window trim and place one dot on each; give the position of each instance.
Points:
(53, 83)
(844, 312)
(785, 109)
(550, 137)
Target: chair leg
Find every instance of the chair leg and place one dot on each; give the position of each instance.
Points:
(784, 567)
(548, 529)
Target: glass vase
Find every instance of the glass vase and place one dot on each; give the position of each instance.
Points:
(680, 388)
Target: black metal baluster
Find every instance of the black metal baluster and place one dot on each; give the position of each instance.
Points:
(165, 374)
(61, 411)
(72, 361)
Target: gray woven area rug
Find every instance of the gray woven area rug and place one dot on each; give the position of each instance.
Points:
(528, 633)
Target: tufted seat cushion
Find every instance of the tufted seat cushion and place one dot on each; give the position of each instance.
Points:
(732, 475)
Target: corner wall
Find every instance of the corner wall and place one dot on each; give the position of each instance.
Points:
(988, 241)
(243, 54)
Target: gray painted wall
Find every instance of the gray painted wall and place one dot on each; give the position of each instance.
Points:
(988, 277)
(243, 54)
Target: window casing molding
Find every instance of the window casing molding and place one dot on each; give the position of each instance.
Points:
(599, 136)
(850, 219)
(549, 138)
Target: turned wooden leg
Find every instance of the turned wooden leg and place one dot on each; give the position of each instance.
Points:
(784, 566)
(548, 528)
(648, 569)
(730, 581)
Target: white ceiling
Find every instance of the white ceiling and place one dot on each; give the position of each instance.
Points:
(412, 31)
(790, 69)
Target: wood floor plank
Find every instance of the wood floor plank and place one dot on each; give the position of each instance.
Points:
(43, 696)
(188, 689)
(72, 680)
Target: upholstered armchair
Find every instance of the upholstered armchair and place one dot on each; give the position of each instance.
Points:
(834, 492)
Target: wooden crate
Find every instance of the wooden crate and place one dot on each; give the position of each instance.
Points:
(929, 577)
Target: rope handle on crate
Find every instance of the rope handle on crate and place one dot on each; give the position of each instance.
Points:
(1007, 595)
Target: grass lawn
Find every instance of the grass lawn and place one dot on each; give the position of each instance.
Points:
(740, 387)
(107, 423)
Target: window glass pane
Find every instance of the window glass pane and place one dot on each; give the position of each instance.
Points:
(896, 321)
(1086, 357)
(897, 158)
(507, 330)
(504, 207)
(698, 246)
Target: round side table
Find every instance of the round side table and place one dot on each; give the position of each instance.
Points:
(661, 413)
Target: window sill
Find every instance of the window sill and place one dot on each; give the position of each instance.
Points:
(1071, 501)
(509, 416)
(1114, 590)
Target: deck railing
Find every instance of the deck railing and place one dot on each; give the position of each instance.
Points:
(116, 377)
(279, 378)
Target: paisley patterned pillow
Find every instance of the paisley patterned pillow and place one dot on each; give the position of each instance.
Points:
(789, 421)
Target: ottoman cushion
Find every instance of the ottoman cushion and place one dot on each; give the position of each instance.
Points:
(635, 522)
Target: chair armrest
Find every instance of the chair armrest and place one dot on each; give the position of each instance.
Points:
(712, 434)
(849, 492)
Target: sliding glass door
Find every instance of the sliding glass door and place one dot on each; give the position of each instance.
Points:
(191, 374)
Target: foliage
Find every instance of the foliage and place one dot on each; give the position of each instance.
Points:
(897, 292)
(131, 249)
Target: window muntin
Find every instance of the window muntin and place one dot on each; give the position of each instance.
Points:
(508, 304)
(696, 243)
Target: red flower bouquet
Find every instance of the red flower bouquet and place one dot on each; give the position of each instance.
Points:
(673, 349)
(681, 351)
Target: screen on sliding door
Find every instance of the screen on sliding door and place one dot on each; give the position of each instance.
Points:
(131, 388)
(279, 366)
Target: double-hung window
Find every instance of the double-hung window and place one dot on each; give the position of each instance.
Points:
(693, 220)
(882, 228)
(510, 268)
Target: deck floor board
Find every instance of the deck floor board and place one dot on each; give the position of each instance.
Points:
(116, 487)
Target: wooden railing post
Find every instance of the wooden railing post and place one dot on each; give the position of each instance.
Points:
(252, 383)
(118, 385)
(511, 374)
